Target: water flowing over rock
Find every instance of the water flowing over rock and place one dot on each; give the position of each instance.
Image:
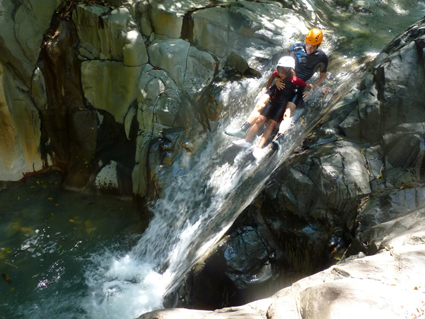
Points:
(340, 185)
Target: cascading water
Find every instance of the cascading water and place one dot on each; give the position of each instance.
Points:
(191, 217)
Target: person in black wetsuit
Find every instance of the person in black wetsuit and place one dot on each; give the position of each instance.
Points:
(308, 60)
(275, 101)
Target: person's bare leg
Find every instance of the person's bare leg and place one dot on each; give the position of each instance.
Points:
(284, 126)
(261, 119)
(267, 132)
(255, 114)
(287, 117)
(257, 110)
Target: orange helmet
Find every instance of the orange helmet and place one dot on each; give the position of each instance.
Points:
(314, 37)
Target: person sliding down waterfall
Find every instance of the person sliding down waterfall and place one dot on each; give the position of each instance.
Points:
(308, 60)
(275, 102)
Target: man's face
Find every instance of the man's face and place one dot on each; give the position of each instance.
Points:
(310, 48)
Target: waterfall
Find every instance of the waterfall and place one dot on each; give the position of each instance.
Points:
(191, 216)
(195, 211)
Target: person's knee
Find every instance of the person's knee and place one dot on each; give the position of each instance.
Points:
(258, 107)
(271, 124)
(260, 120)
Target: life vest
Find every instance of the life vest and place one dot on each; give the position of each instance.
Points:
(307, 64)
(299, 52)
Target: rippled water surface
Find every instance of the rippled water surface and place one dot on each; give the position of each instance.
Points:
(48, 238)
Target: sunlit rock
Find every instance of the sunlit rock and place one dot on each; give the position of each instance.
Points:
(250, 31)
(200, 71)
(22, 28)
(159, 99)
(167, 16)
(20, 130)
(210, 31)
(162, 110)
(109, 34)
(134, 50)
(170, 55)
(107, 177)
(110, 86)
(22, 35)
(142, 8)
(165, 23)
(102, 32)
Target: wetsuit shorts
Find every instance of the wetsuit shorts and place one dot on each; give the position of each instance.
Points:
(274, 110)
(298, 97)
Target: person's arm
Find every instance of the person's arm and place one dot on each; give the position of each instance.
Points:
(270, 81)
(299, 82)
(279, 83)
(321, 79)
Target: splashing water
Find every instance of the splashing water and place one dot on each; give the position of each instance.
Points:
(191, 217)
(136, 282)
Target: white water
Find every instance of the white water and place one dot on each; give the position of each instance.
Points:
(134, 283)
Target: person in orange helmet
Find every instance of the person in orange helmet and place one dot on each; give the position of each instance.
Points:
(309, 59)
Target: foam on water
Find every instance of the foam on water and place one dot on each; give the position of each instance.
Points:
(122, 287)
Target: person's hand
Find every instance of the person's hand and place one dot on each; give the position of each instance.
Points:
(279, 84)
(306, 95)
(326, 90)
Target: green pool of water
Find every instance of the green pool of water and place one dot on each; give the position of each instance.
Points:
(48, 237)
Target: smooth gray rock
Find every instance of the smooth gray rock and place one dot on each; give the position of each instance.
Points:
(389, 96)
(22, 28)
(386, 285)
(101, 31)
(110, 86)
(330, 177)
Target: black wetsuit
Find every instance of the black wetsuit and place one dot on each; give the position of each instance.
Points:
(275, 108)
(306, 65)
